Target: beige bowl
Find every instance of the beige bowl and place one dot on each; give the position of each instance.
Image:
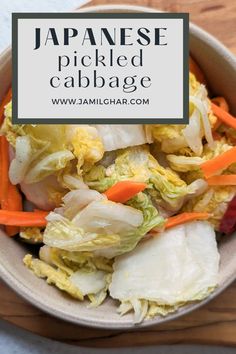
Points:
(219, 66)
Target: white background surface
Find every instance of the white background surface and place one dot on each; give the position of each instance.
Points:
(17, 341)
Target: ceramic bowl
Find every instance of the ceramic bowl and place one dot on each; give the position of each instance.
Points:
(219, 65)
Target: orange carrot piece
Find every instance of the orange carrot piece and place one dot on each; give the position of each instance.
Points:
(14, 202)
(185, 217)
(218, 163)
(224, 116)
(4, 160)
(23, 218)
(9, 195)
(222, 180)
(221, 102)
(3, 169)
(122, 191)
(195, 69)
(6, 99)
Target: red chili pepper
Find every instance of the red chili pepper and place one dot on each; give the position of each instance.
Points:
(228, 222)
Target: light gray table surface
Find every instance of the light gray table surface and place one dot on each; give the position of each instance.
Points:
(17, 341)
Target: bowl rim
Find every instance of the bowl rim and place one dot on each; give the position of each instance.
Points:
(33, 299)
(11, 280)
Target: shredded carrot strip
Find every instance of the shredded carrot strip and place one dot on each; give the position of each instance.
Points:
(6, 99)
(224, 116)
(185, 217)
(218, 163)
(23, 218)
(122, 191)
(14, 202)
(10, 197)
(222, 180)
(221, 102)
(4, 160)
